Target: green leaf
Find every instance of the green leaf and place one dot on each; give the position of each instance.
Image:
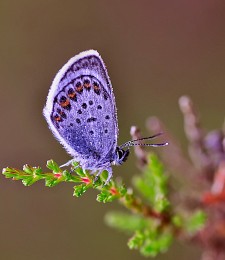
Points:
(153, 184)
(196, 222)
(177, 221)
(97, 183)
(52, 165)
(37, 171)
(10, 172)
(28, 169)
(67, 175)
(151, 241)
(70, 177)
(105, 196)
(154, 247)
(51, 182)
(156, 242)
(80, 172)
(28, 181)
(136, 241)
(122, 190)
(80, 190)
(126, 222)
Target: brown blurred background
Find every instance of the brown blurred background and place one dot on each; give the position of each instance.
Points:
(155, 51)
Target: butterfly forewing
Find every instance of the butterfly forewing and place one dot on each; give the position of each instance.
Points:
(81, 110)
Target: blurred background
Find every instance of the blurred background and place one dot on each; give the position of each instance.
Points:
(155, 52)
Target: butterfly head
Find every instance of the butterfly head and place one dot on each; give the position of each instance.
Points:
(121, 156)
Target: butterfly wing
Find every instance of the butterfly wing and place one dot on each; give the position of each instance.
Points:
(81, 110)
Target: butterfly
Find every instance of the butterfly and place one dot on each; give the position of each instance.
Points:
(81, 113)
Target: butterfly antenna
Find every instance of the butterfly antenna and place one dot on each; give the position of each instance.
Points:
(133, 142)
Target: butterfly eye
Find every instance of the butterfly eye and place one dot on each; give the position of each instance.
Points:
(120, 154)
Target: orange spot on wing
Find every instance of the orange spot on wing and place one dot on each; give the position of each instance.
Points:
(57, 118)
(96, 87)
(87, 85)
(79, 88)
(72, 95)
(65, 104)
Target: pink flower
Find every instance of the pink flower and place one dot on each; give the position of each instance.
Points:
(58, 175)
(86, 180)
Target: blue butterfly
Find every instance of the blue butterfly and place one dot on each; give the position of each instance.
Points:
(81, 113)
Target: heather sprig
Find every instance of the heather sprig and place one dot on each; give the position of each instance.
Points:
(150, 221)
(173, 196)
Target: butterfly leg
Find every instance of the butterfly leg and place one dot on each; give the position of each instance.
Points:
(110, 174)
(97, 175)
(109, 170)
(69, 163)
